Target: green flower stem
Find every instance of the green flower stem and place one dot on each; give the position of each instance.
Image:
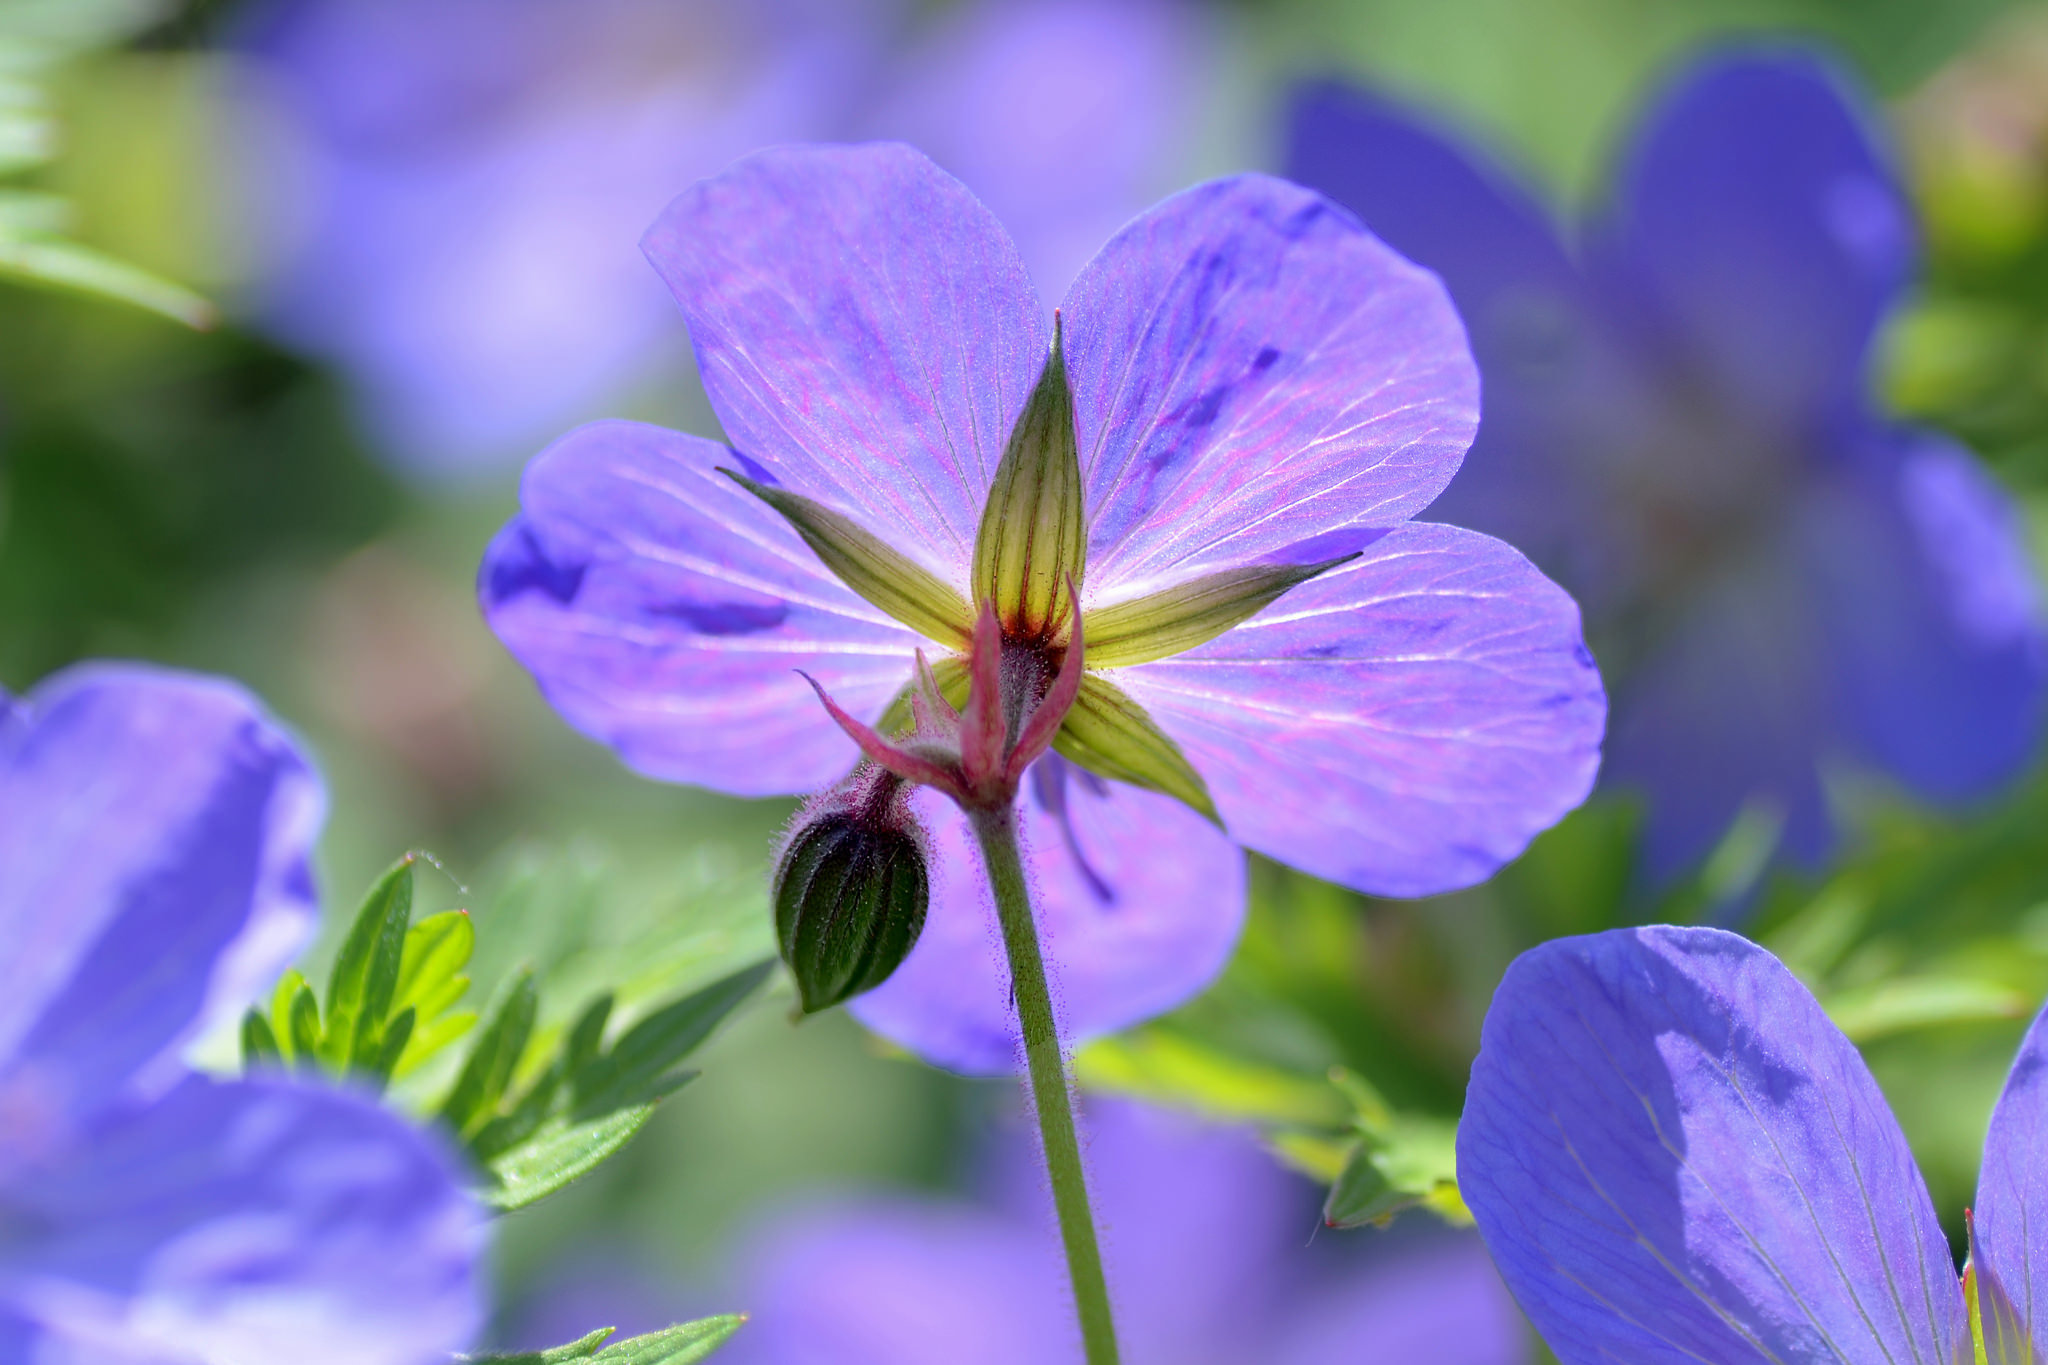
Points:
(997, 831)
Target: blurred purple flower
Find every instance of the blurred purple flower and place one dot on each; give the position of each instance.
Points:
(1675, 1156)
(1679, 426)
(1255, 382)
(1209, 1256)
(454, 186)
(154, 835)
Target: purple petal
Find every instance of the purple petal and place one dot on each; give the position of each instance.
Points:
(1762, 234)
(2012, 1185)
(1251, 370)
(1139, 902)
(664, 611)
(1443, 1304)
(1928, 596)
(1403, 724)
(1498, 252)
(247, 1224)
(1674, 1156)
(154, 835)
(901, 1283)
(1068, 117)
(864, 329)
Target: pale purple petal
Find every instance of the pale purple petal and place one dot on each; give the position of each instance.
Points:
(154, 835)
(1253, 370)
(1139, 902)
(246, 1224)
(1760, 235)
(2012, 1185)
(1443, 1304)
(865, 330)
(1404, 724)
(664, 610)
(1675, 1156)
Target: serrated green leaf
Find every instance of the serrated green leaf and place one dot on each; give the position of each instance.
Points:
(392, 1046)
(557, 1154)
(907, 591)
(682, 1344)
(259, 1042)
(1175, 620)
(1112, 736)
(59, 264)
(473, 1099)
(303, 1026)
(436, 951)
(1033, 538)
(586, 1036)
(365, 975)
(282, 998)
(637, 1069)
(426, 1042)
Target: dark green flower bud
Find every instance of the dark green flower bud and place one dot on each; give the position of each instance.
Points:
(850, 891)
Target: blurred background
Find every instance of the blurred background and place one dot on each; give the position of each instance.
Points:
(418, 220)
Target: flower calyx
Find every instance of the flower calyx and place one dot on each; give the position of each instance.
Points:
(977, 754)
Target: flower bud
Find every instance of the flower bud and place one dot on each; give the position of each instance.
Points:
(850, 891)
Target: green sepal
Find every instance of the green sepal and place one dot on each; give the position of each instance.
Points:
(1033, 537)
(365, 976)
(1401, 1161)
(1162, 624)
(951, 675)
(907, 591)
(1998, 1335)
(682, 1344)
(1112, 736)
(259, 1042)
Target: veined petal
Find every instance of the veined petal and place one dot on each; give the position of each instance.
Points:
(1763, 233)
(1252, 370)
(2012, 1186)
(247, 1224)
(155, 830)
(1138, 899)
(1674, 1157)
(865, 330)
(664, 611)
(1403, 724)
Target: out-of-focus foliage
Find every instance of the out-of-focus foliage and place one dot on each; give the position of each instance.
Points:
(677, 1345)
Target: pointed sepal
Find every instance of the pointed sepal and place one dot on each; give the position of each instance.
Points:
(886, 753)
(1177, 619)
(905, 590)
(1110, 735)
(1033, 538)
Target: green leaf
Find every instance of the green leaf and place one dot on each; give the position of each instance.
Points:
(1033, 537)
(1112, 736)
(558, 1153)
(304, 1026)
(1175, 620)
(392, 1046)
(282, 999)
(430, 983)
(907, 591)
(259, 1042)
(1913, 1002)
(473, 1099)
(636, 1070)
(681, 1344)
(56, 263)
(365, 975)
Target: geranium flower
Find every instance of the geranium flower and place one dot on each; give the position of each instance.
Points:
(1674, 1155)
(1261, 396)
(1680, 427)
(1209, 1261)
(154, 835)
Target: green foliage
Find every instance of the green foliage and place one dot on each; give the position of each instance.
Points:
(678, 1345)
(36, 36)
(1399, 1162)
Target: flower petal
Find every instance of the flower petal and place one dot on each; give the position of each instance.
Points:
(664, 611)
(246, 1224)
(1139, 902)
(1763, 233)
(1674, 1156)
(1403, 724)
(1252, 370)
(2012, 1185)
(1434, 200)
(155, 829)
(1443, 1303)
(1933, 615)
(865, 331)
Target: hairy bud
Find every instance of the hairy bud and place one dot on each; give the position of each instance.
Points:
(850, 889)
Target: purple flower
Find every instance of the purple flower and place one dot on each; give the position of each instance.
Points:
(1675, 1156)
(452, 188)
(154, 835)
(1679, 426)
(1209, 1259)
(1259, 389)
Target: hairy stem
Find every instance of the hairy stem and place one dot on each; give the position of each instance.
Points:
(997, 831)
